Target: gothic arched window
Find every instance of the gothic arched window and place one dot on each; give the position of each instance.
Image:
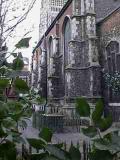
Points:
(67, 38)
(50, 55)
(113, 62)
(50, 47)
(113, 57)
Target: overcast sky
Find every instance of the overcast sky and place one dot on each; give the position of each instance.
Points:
(31, 23)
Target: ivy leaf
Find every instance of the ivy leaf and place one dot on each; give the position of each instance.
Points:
(46, 134)
(105, 123)
(4, 83)
(82, 107)
(2, 132)
(38, 156)
(56, 152)
(74, 153)
(40, 100)
(36, 143)
(14, 54)
(21, 85)
(59, 145)
(90, 131)
(17, 116)
(108, 136)
(17, 64)
(100, 155)
(15, 110)
(8, 150)
(112, 145)
(18, 139)
(14, 107)
(3, 70)
(27, 113)
(50, 158)
(9, 123)
(2, 98)
(3, 111)
(98, 112)
(23, 43)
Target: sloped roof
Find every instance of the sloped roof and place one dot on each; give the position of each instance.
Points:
(104, 7)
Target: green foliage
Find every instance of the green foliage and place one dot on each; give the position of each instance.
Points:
(40, 100)
(90, 131)
(50, 158)
(9, 123)
(12, 115)
(4, 71)
(13, 112)
(98, 112)
(2, 132)
(106, 146)
(21, 86)
(112, 80)
(50, 151)
(38, 156)
(112, 145)
(14, 107)
(3, 111)
(4, 83)
(8, 151)
(14, 54)
(36, 143)
(59, 145)
(56, 152)
(105, 123)
(46, 134)
(74, 153)
(82, 107)
(18, 64)
(23, 43)
(100, 154)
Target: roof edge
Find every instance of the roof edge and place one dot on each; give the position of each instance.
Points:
(106, 17)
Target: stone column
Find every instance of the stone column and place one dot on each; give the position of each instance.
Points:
(54, 106)
(91, 39)
(53, 75)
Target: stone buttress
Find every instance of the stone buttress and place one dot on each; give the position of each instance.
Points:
(82, 75)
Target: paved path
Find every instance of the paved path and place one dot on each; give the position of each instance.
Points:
(67, 138)
(30, 132)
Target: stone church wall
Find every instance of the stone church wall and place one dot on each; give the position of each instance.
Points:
(73, 70)
(108, 32)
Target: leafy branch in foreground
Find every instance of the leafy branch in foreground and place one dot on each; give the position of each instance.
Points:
(15, 108)
(103, 137)
(49, 151)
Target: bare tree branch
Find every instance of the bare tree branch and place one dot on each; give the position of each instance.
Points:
(23, 17)
(6, 32)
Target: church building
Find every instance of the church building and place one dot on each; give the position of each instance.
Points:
(78, 48)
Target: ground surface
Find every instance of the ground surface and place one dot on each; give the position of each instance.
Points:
(67, 138)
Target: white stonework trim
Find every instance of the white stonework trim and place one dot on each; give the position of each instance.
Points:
(91, 83)
(82, 7)
(114, 104)
(89, 6)
(90, 52)
(74, 28)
